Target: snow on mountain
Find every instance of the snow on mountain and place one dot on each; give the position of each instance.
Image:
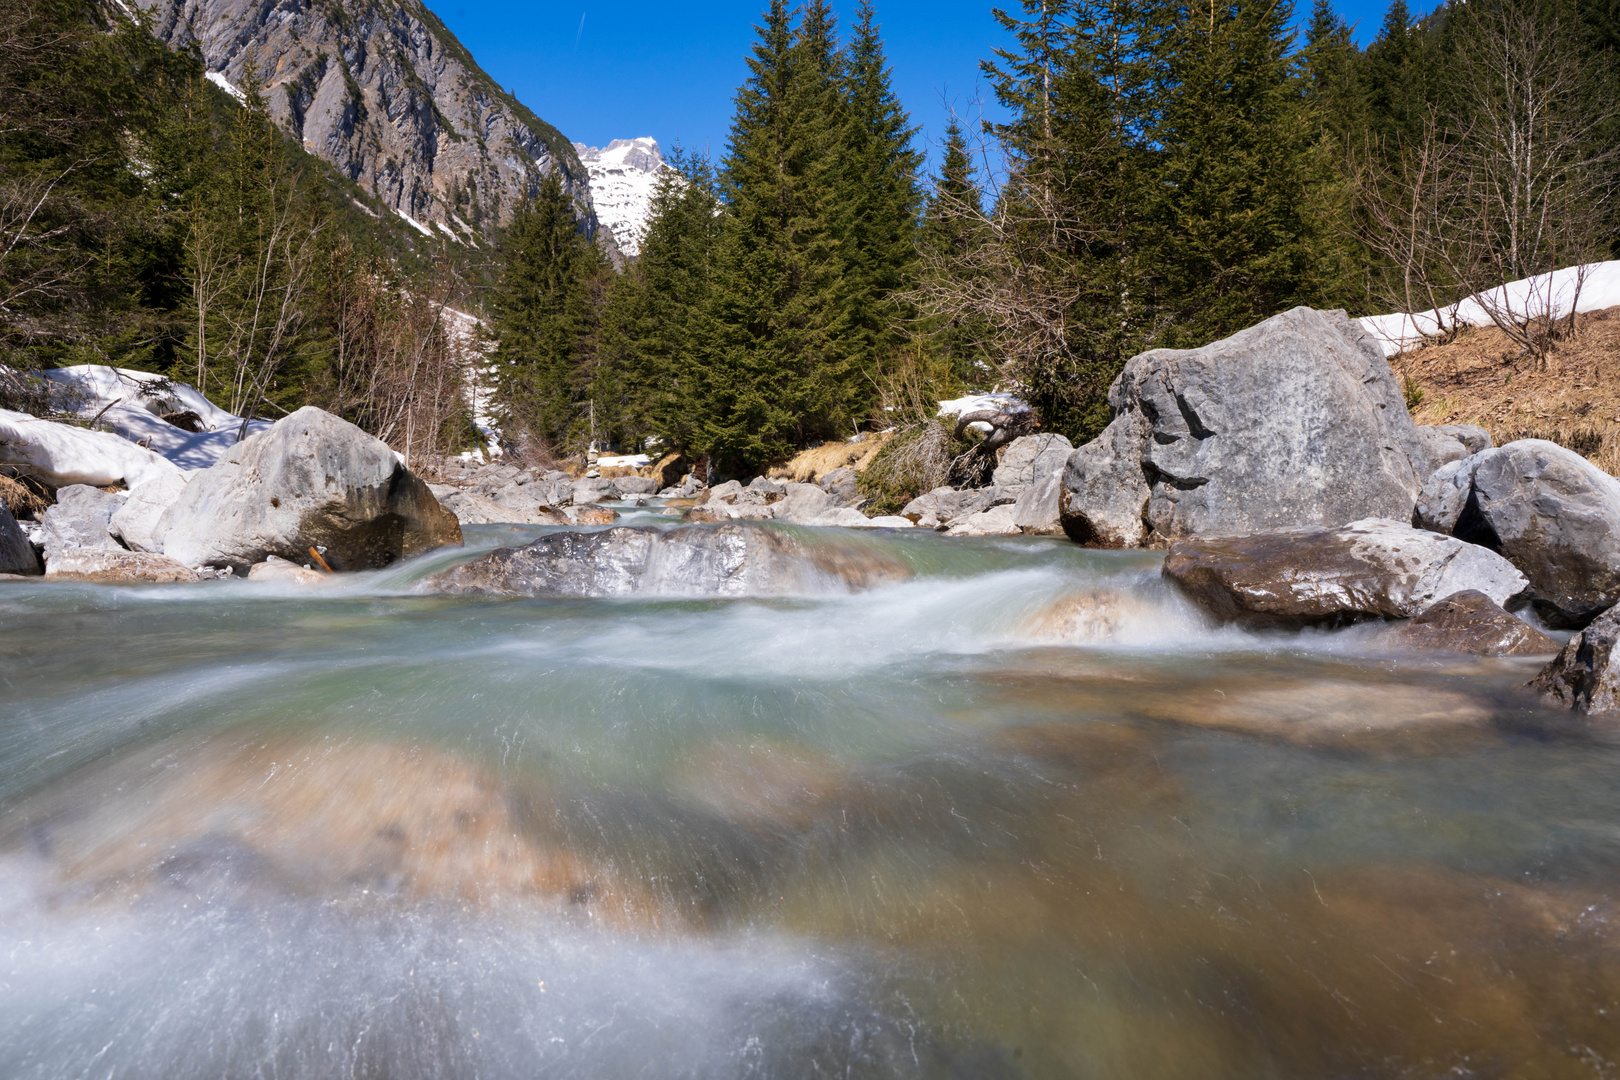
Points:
(623, 177)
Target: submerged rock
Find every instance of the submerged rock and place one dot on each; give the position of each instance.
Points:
(1365, 570)
(16, 553)
(1549, 511)
(283, 572)
(1585, 676)
(1470, 622)
(1297, 421)
(732, 559)
(115, 566)
(311, 480)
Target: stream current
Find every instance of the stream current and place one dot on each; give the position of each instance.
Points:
(1025, 814)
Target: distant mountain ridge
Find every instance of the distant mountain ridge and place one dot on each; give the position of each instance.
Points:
(384, 92)
(624, 175)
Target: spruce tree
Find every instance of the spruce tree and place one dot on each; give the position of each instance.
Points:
(774, 374)
(1332, 71)
(542, 318)
(950, 241)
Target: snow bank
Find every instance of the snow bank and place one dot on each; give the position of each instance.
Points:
(1592, 287)
(131, 404)
(60, 454)
(998, 401)
(624, 461)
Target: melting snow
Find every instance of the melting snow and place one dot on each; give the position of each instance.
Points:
(226, 85)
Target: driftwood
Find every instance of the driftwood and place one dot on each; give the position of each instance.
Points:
(972, 467)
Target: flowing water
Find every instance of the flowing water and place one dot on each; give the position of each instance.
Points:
(1022, 815)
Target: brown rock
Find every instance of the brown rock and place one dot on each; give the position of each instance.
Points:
(669, 469)
(590, 515)
(1470, 622)
(110, 567)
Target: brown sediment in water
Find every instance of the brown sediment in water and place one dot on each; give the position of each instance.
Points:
(1093, 615)
(320, 815)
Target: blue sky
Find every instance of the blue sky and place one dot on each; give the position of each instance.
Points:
(601, 71)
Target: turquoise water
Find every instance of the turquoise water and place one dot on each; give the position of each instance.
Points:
(1025, 814)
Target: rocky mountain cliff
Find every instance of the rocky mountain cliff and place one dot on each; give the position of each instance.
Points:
(624, 175)
(383, 91)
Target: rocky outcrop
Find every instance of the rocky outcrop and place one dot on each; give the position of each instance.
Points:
(16, 553)
(1585, 676)
(387, 95)
(732, 559)
(1446, 443)
(1297, 421)
(80, 520)
(996, 521)
(1549, 511)
(115, 566)
(312, 480)
(1469, 622)
(1366, 570)
(1030, 459)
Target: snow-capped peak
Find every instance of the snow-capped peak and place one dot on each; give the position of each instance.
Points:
(624, 175)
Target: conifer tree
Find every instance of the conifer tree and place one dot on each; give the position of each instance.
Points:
(952, 234)
(774, 374)
(542, 318)
(1332, 71)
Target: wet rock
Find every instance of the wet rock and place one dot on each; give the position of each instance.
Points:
(1030, 459)
(16, 553)
(1585, 675)
(731, 559)
(282, 572)
(1368, 569)
(81, 518)
(840, 484)
(590, 515)
(1470, 622)
(1092, 616)
(115, 566)
(1549, 511)
(136, 522)
(311, 480)
(1297, 421)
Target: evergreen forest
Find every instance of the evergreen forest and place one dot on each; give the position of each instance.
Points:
(1158, 174)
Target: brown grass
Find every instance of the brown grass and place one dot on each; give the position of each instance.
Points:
(1481, 378)
(809, 466)
(24, 498)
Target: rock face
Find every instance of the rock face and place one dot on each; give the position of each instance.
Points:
(1297, 421)
(16, 553)
(115, 566)
(1585, 676)
(388, 96)
(732, 559)
(81, 519)
(312, 480)
(624, 175)
(1365, 570)
(1552, 513)
(1470, 622)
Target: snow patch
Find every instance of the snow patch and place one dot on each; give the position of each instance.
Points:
(421, 228)
(61, 454)
(1591, 287)
(624, 461)
(226, 85)
(997, 400)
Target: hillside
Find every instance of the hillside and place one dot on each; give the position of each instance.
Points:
(1480, 378)
(385, 93)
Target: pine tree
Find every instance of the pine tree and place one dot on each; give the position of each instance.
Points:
(952, 234)
(1243, 231)
(543, 318)
(774, 374)
(1403, 76)
(1332, 71)
(880, 201)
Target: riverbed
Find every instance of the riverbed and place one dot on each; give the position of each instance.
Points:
(1024, 814)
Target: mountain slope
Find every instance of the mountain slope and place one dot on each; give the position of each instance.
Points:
(384, 92)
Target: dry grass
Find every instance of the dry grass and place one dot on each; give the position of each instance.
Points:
(809, 466)
(1482, 378)
(24, 498)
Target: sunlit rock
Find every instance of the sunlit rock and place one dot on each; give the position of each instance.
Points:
(81, 519)
(1365, 570)
(1585, 675)
(282, 572)
(115, 566)
(1549, 511)
(1469, 622)
(136, 522)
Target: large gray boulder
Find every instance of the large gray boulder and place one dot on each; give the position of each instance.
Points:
(1297, 421)
(731, 559)
(1038, 510)
(311, 480)
(635, 485)
(1549, 511)
(16, 553)
(81, 518)
(1030, 459)
(1365, 570)
(136, 522)
(1585, 676)
(802, 504)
